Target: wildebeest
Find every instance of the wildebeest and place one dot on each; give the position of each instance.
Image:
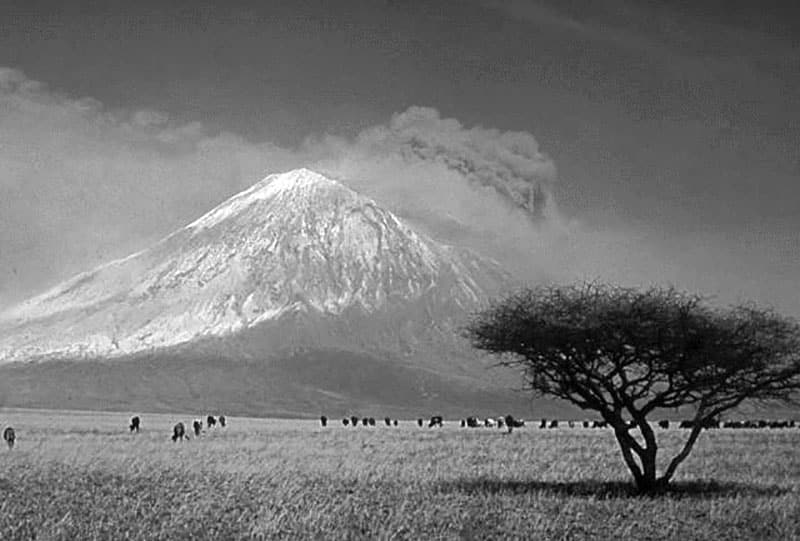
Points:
(473, 422)
(512, 423)
(436, 420)
(211, 421)
(9, 436)
(599, 424)
(488, 422)
(365, 421)
(346, 421)
(323, 420)
(394, 422)
(179, 432)
(419, 422)
(135, 423)
(371, 421)
(663, 423)
(197, 425)
(222, 421)
(553, 424)
(708, 423)
(463, 423)
(586, 424)
(387, 421)
(543, 424)
(354, 420)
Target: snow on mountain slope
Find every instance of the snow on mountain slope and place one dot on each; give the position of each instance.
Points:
(293, 244)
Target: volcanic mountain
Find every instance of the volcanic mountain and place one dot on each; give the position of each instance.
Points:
(294, 295)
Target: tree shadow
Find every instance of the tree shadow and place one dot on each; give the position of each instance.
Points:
(598, 489)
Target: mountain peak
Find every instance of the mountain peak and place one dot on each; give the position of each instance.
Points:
(298, 183)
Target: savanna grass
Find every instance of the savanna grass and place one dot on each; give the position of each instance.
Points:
(82, 476)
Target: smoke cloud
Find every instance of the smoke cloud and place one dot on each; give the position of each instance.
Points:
(81, 184)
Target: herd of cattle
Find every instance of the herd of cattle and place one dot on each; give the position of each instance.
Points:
(508, 422)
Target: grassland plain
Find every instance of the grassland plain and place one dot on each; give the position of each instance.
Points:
(76, 475)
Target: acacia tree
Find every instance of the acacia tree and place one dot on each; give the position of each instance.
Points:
(626, 353)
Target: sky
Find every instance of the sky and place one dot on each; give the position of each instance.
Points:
(638, 142)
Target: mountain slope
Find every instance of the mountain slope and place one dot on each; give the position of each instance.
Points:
(296, 252)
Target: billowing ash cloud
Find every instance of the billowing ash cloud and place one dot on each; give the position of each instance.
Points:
(508, 162)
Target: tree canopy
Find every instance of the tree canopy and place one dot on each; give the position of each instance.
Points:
(625, 353)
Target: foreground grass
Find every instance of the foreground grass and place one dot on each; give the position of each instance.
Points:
(81, 476)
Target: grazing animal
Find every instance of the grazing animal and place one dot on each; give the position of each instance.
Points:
(543, 424)
(365, 422)
(394, 422)
(586, 424)
(354, 420)
(473, 422)
(197, 425)
(346, 421)
(211, 421)
(371, 421)
(179, 432)
(488, 422)
(135, 423)
(9, 436)
(222, 421)
(509, 423)
(419, 422)
(553, 424)
(436, 420)
(323, 420)
(387, 421)
(599, 424)
(663, 423)
(512, 423)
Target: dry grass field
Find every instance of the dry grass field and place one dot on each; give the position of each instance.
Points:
(82, 476)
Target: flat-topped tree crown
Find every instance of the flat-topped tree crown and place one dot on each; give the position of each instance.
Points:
(626, 353)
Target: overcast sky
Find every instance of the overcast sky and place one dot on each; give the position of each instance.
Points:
(667, 133)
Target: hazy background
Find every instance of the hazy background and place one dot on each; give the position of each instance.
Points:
(634, 141)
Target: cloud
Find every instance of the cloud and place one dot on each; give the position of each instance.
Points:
(81, 184)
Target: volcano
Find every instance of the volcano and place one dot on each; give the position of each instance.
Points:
(293, 296)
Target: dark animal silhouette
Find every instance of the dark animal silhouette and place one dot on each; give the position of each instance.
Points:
(419, 422)
(179, 432)
(599, 424)
(394, 422)
(135, 423)
(463, 423)
(663, 423)
(371, 421)
(436, 420)
(365, 422)
(543, 424)
(553, 424)
(211, 421)
(473, 422)
(323, 420)
(9, 436)
(586, 424)
(354, 420)
(345, 421)
(197, 425)
(387, 421)
(512, 423)
(222, 421)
